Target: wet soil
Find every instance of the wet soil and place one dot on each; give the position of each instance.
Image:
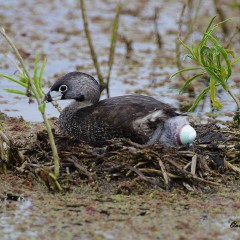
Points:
(86, 214)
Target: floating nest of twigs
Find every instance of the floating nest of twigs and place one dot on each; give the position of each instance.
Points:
(126, 167)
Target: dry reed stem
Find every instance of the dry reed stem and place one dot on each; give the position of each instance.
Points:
(230, 166)
(9, 143)
(194, 164)
(157, 34)
(164, 172)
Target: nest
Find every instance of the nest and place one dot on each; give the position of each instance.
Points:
(126, 167)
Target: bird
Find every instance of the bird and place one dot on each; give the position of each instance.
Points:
(142, 119)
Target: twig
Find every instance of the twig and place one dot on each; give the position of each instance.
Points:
(235, 99)
(90, 44)
(189, 175)
(164, 172)
(222, 17)
(232, 37)
(194, 164)
(140, 174)
(187, 165)
(80, 168)
(231, 166)
(135, 166)
(157, 34)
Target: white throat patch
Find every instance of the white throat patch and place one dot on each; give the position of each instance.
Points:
(56, 95)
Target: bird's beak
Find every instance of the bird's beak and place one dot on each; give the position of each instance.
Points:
(52, 96)
(47, 97)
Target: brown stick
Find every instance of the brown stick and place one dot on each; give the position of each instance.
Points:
(164, 172)
(194, 164)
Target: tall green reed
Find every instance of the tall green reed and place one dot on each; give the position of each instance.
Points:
(33, 89)
(104, 83)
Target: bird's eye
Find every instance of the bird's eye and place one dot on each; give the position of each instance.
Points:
(63, 88)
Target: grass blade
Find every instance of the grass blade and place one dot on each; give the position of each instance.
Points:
(209, 25)
(41, 72)
(198, 99)
(186, 84)
(35, 72)
(185, 70)
(185, 46)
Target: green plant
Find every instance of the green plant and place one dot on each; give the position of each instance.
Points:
(33, 89)
(103, 84)
(212, 59)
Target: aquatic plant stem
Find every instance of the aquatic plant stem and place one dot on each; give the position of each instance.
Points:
(38, 98)
(9, 143)
(113, 46)
(90, 44)
(188, 33)
(235, 99)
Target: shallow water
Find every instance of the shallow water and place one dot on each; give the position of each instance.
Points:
(55, 30)
(11, 219)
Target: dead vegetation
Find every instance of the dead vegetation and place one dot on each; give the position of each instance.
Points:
(126, 167)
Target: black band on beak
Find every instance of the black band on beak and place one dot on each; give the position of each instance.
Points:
(48, 97)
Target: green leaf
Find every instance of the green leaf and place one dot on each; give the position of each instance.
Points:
(223, 53)
(231, 52)
(198, 99)
(35, 72)
(213, 76)
(41, 77)
(195, 50)
(185, 70)
(23, 78)
(188, 56)
(14, 80)
(206, 56)
(215, 102)
(218, 59)
(234, 61)
(14, 91)
(209, 25)
(185, 46)
(186, 84)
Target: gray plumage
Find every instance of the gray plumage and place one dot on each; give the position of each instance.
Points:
(140, 118)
